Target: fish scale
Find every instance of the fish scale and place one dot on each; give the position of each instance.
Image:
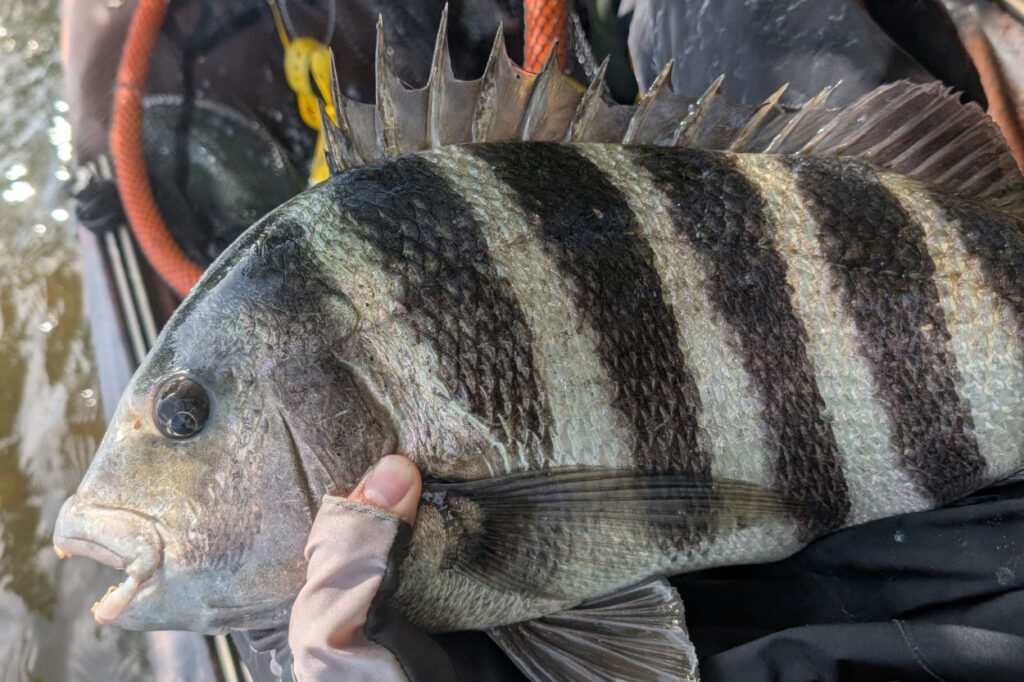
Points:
(618, 290)
(462, 288)
(746, 282)
(612, 362)
(887, 277)
(823, 484)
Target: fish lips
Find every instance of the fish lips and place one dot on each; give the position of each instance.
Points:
(121, 538)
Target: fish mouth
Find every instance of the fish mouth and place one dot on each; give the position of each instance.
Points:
(124, 539)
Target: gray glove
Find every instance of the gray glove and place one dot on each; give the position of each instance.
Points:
(341, 625)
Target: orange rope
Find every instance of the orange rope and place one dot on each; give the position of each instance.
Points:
(546, 22)
(999, 93)
(147, 225)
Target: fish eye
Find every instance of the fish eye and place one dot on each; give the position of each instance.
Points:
(182, 407)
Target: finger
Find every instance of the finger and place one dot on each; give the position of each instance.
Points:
(393, 485)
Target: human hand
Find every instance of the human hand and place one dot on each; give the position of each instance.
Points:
(393, 485)
(351, 554)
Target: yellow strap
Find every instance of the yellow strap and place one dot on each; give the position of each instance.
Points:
(282, 34)
(305, 57)
(318, 171)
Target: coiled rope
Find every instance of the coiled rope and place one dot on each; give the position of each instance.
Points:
(126, 146)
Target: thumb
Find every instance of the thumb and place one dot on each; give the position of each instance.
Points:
(393, 485)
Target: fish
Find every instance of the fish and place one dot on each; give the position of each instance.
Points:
(615, 351)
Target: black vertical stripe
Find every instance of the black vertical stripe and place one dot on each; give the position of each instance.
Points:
(722, 216)
(879, 256)
(585, 223)
(996, 239)
(424, 234)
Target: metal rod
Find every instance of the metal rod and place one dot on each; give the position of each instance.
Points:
(139, 289)
(124, 293)
(225, 658)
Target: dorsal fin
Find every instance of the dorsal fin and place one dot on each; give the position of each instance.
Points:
(645, 107)
(809, 107)
(553, 102)
(691, 124)
(756, 120)
(589, 107)
(920, 130)
(440, 76)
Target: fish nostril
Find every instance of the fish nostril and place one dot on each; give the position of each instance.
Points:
(138, 423)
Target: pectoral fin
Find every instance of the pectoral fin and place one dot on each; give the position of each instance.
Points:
(638, 633)
(511, 530)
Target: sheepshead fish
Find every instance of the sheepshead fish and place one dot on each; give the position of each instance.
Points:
(612, 361)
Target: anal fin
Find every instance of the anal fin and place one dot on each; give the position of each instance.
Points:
(637, 633)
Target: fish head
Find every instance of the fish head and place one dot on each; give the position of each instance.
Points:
(241, 418)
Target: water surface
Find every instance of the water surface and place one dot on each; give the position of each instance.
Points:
(50, 417)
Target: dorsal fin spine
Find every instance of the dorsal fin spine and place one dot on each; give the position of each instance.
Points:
(536, 105)
(646, 104)
(440, 73)
(484, 109)
(687, 130)
(589, 106)
(822, 133)
(342, 130)
(753, 124)
(332, 153)
(810, 106)
(387, 119)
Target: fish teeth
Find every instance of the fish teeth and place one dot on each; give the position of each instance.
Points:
(61, 554)
(110, 589)
(110, 607)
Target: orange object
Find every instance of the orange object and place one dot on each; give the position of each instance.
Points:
(547, 24)
(547, 21)
(156, 242)
(1000, 91)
